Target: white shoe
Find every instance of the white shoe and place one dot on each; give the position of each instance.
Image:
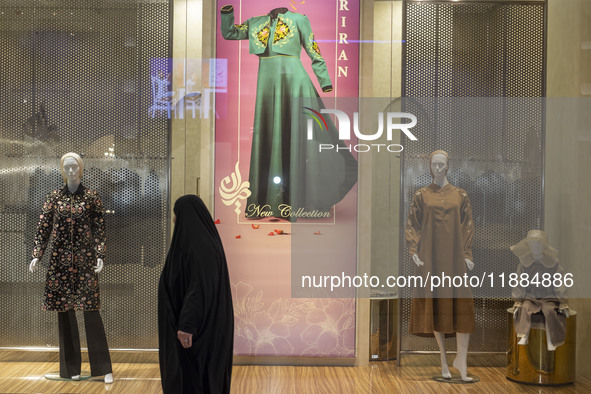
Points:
(76, 377)
(109, 378)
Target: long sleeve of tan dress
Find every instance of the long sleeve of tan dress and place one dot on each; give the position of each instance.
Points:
(440, 231)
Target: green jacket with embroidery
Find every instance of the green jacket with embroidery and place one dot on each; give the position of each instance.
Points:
(295, 32)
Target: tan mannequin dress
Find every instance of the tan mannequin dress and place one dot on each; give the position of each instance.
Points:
(439, 230)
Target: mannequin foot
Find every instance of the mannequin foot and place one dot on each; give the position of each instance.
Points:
(461, 366)
(76, 377)
(109, 378)
(440, 337)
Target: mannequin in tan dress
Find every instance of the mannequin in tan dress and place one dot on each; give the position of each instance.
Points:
(439, 233)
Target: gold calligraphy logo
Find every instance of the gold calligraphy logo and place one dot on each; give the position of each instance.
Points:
(233, 190)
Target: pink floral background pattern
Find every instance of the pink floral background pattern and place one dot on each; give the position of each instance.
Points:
(322, 327)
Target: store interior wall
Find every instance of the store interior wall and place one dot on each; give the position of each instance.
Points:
(386, 85)
(568, 151)
(192, 138)
(364, 185)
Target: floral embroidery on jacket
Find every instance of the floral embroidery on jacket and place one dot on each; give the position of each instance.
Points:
(281, 31)
(242, 27)
(284, 30)
(313, 45)
(263, 35)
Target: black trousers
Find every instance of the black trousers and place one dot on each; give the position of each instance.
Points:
(69, 338)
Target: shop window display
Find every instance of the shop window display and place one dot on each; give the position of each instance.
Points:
(77, 78)
(473, 74)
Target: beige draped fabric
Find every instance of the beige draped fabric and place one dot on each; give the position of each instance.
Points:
(537, 298)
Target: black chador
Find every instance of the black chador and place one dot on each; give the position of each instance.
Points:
(194, 297)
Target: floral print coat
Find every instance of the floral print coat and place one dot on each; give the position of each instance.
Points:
(72, 226)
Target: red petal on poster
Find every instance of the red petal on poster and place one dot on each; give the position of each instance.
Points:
(317, 233)
(238, 236)
(255, 226)
(271, 233)
(278, 231)
(218, 221)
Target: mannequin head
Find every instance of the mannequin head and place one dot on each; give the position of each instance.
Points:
(438, 163)
(535, 244)
(72, 167)
(536, 248)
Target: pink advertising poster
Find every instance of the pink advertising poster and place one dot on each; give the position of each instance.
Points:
(285, 184)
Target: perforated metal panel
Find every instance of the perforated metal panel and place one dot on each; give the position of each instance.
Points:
(471, 56)
(75, 76)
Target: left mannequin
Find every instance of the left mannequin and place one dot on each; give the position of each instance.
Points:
(72, 223)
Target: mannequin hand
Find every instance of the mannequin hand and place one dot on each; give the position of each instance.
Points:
(99, 266)
(185, 339)
(33, 265)
(516, 307)
(417, 261)
(470, 264)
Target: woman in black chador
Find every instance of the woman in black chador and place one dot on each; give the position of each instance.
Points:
(195, 314)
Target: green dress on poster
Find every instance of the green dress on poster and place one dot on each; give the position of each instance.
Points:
(288, 172)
